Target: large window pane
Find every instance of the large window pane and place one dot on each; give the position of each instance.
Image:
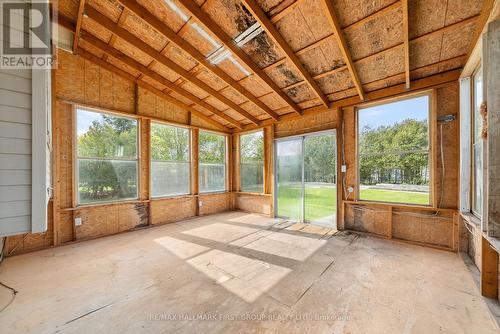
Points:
(170, 178)
(105, 136)
(106, 149)
(106, 180)
(170, 157)
(212, 162)
(252, 162)
(477, 161)
(394, 152)
(169, 143)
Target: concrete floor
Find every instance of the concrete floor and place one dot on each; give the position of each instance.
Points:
(241, 273)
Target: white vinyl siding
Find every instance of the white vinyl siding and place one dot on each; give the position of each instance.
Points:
(15, 151)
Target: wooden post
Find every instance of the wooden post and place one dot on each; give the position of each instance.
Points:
(194, 169)
(489, 270)
(56, 174)
(236, 163)
(340, 175)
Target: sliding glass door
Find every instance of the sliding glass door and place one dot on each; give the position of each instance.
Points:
(289, 175)
(306, 177)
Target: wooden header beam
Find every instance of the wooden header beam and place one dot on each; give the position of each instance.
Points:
(406, 41)
(228, 42)
(273, 32)
(393, 91)
(163, 29)
(344, 49)
(110, 51)
(146, 48)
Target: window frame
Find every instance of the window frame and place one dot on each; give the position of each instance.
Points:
(189, 162)
(226, 157)
(76, 158)
(432, 121)
(473, 210)
(263, 161)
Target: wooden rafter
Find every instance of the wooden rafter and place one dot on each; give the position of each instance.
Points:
(481, 22)
(104, 64)
(110, 51)
(273, 32)
(150, 51)
(406, 41)
(163, 29)
(79, 19)
(344, 49)
(420, 84)
(227, 41)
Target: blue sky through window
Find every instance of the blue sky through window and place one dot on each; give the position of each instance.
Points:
(390, 113)
(85, 119)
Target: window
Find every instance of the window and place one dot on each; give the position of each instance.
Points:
(212, 162)
(252, 162)
(170, 160)
(394, 151)
(477, 145)
(106, 157)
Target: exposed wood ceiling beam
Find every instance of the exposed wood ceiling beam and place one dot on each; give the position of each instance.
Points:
(109, 50)
(481, 22)
(228, 42)
(344, 49)
(282, 10)
(273, 32)
(397, 90)
(146, 48)
(163, 29)
(456, 25)
(104, 64)
(406, 41)
(79, 19)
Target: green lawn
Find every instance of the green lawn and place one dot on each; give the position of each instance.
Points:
(393, 196)
(322, 202)
(319, 202)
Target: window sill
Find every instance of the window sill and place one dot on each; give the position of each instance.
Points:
(214, 192)
(251, 193)
(471, 219)
(400, 205)
(110, 203)
(160, 198)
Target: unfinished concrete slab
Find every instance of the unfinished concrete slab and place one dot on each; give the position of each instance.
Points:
(237, 272)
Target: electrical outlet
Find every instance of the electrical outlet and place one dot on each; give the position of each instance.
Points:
(78, 221)
(343, 168)
(200, 204)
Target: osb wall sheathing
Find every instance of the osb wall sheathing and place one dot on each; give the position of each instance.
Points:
(262, 203)
(310, 123)
(82, 82)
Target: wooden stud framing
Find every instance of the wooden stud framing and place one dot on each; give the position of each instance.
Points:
(163, 29)
(79, 19)
(489, 270)
(344, 49)
(273, 32)
(132, 39)
(406, 41)
(227, 41)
